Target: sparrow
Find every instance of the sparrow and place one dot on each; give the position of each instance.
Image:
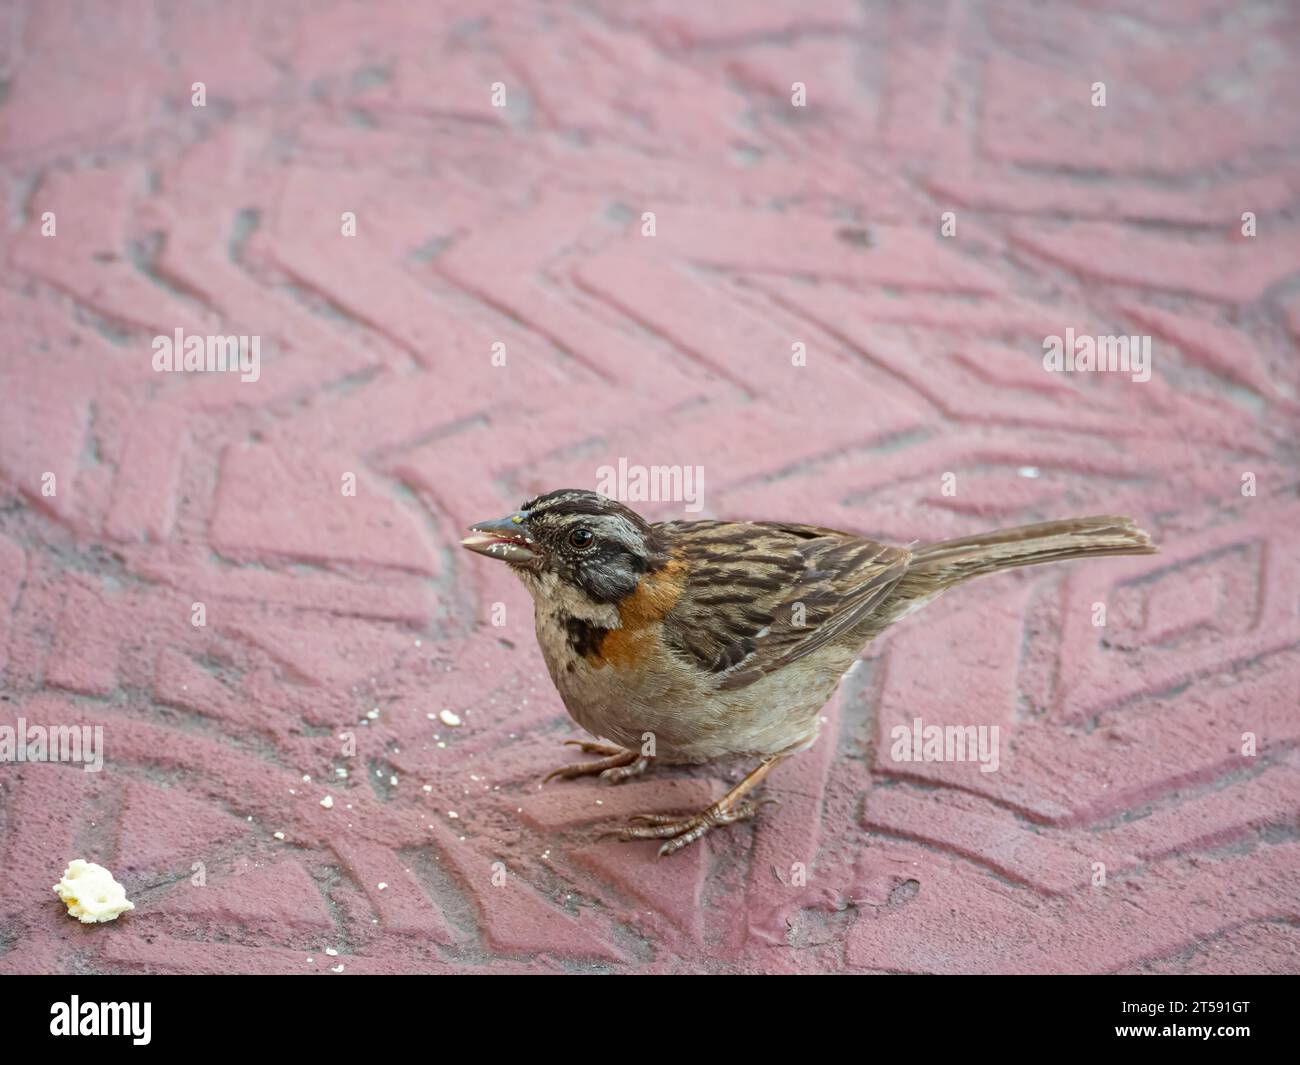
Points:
(691, 642)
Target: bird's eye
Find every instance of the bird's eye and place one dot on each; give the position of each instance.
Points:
(581, 538)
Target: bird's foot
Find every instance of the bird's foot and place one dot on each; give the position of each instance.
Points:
(681, 830)
(617, 765)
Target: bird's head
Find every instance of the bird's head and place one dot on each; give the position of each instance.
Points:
(586, 541)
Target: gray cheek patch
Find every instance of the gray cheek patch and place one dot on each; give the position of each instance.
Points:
(617, 530)
(608, 580)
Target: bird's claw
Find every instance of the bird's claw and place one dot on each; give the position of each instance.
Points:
(617, 765)
(681, 830)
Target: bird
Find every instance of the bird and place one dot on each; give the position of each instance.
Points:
(697, 642)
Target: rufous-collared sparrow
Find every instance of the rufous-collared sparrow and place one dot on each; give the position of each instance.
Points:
(704, 640)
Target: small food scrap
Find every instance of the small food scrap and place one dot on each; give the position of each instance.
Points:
(448, 718)
(331, 952)
(327, 802)
(338, 968)
(278, 835)
(90, 893)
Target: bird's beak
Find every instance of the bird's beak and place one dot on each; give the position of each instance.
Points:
(504, 538)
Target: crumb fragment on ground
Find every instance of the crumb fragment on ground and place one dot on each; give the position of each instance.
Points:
(91, 894)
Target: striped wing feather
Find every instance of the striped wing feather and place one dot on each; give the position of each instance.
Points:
(762, 595)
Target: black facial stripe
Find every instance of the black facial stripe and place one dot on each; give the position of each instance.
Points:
(575, 507)
(584, 637)
(573, 502)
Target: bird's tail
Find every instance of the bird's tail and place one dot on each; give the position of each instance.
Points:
(950, 562)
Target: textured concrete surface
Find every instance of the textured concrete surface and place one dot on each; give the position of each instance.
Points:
(328, 615)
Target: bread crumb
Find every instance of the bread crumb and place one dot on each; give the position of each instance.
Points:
(91, 894)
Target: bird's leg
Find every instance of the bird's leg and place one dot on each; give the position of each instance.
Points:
(681, 830)
(617, 766)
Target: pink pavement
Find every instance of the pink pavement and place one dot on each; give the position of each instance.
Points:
(1125, 829)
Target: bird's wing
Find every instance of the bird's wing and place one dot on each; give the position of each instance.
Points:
(762, 595)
